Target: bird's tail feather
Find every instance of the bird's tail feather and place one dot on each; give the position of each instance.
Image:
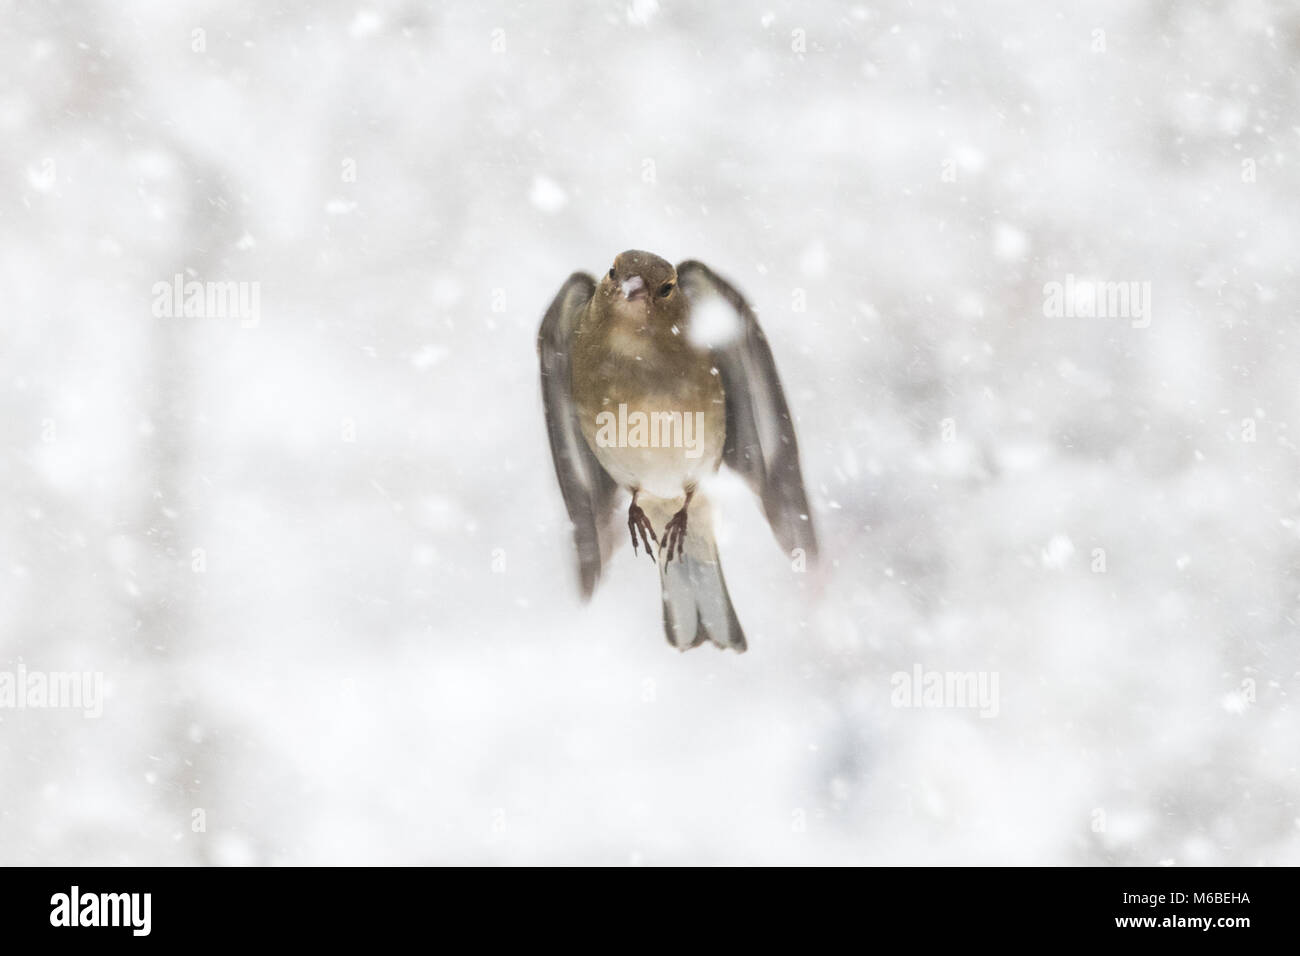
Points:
(697, 607)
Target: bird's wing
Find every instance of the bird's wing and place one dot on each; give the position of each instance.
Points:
(760, 433)
(589, 492)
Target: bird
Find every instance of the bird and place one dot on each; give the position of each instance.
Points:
(653, 377)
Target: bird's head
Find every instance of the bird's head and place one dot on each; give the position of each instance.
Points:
(640, 289)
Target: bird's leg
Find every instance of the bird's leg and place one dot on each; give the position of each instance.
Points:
(637, 521)
(675, 530)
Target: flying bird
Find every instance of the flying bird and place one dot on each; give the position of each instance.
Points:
(647, 392)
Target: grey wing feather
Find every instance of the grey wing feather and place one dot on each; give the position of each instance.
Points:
(761, 443)
(589, 492)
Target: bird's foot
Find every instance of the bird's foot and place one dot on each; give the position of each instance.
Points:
(637, 521)
(675, 534)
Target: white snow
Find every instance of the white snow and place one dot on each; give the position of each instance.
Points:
(641, 12)
(323, 564)
(547, 195)
(1009, 242)
(713, 323)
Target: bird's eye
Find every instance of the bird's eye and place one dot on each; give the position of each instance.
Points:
(611, 273)
(665, 290)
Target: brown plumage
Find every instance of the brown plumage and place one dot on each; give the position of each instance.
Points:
(635, 401)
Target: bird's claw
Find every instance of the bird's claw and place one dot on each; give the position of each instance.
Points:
(637, 521)
(674, 535)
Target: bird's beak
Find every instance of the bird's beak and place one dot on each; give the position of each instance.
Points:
(634, 288)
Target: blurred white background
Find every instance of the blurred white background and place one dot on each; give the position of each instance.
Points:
(381, 656)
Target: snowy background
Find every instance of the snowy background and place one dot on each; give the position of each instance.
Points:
(322, 563)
